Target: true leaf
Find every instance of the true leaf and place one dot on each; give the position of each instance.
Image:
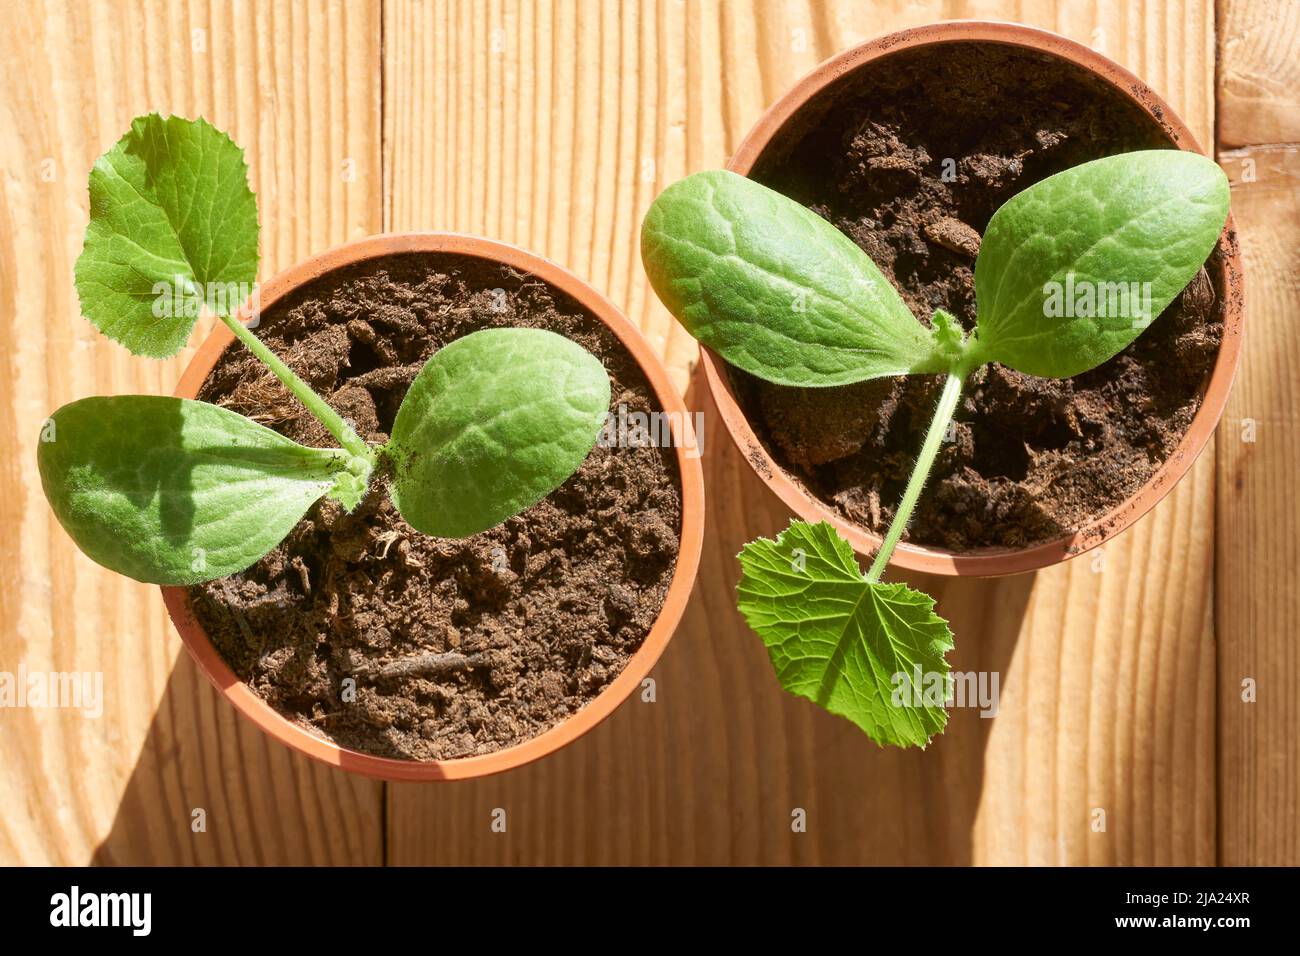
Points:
(947, 333)
(174, 491)
(493, 423)
(853, 647)
(1101, 229)
(775, 289)
(170, 209)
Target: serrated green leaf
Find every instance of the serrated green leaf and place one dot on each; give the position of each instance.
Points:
(493, 423)
(174, 491)
(1099, 230)
(170, 209)
(948, 334)
(851, 646)
(775, 289)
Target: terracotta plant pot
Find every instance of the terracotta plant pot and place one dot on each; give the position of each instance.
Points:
(691, 532)
(1102, 527)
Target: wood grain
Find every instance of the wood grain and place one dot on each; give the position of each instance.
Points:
(553, 125)
(1258, 584)
(297, 84)
(1259, 72)
(1259, 447)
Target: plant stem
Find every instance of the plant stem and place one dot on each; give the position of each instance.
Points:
(341, 430)
(920, 472)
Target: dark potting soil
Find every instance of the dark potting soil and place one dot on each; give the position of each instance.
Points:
(457, 647)
(911, 161)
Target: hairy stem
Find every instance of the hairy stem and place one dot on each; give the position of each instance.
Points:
(341, 430)
(920, 472)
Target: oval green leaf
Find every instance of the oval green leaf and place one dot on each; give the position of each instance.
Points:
(173, 225)
(173, 491)
(1071, 270)
(775, 289)
(493, 423)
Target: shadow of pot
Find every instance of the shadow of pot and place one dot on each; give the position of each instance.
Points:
(691, 533)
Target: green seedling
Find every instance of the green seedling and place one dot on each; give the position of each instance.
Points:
(1069, 272)
(174, 491)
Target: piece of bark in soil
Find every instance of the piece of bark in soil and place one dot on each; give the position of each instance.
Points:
(425, 665)
(954, 235)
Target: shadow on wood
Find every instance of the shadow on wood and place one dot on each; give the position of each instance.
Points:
(714, 769)
(711, 771)
(256, 801)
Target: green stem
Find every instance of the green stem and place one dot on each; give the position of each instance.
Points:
(331, 419)
(920, 472)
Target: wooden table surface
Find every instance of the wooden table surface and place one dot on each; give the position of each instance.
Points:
(552, 125)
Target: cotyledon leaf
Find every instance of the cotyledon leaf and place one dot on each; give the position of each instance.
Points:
(853, 647)
(174, 491)
(493, 423)
(170, 209)
(1071, 270)
(775, 289)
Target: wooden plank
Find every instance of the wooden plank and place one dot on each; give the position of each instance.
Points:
(297, 84)
(1259, 72)
(1258, 586)
(1107, 677)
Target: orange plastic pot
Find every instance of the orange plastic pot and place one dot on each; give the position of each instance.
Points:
(691, 532)
(989, 561)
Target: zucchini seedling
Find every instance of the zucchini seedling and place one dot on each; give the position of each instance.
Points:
(173, 491)
(1069, 272)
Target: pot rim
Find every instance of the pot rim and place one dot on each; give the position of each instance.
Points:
(990, 561)
(690, 542)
